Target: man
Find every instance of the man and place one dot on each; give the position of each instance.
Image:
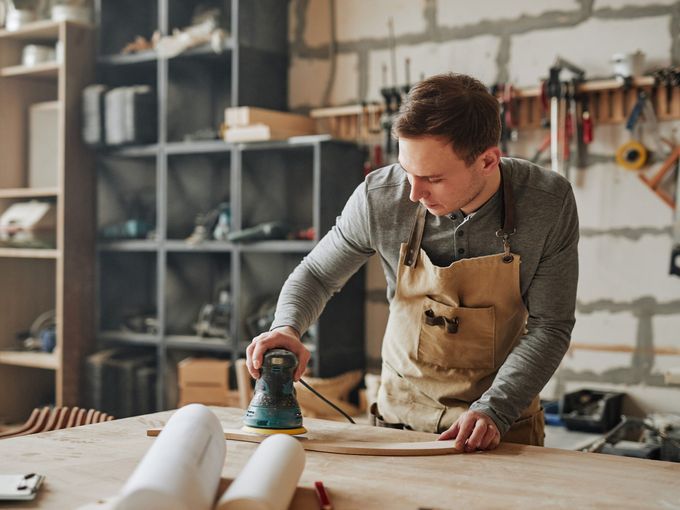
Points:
(473, 334)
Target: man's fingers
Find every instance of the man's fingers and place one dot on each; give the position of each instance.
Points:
(269, 340)
(451, 433)
(494, 442)
(303, 359)
(491, 433)
(466, 425)
(475, 439)
(249, 361)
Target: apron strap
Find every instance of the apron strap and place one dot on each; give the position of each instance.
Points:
(507, 207)
(416, 237)
(507, 216)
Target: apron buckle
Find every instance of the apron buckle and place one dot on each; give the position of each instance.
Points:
(507, 256)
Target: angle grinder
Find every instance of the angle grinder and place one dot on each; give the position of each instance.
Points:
(274, 408)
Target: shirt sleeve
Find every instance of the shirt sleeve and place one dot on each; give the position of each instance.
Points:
(551, 302)
(326, 269)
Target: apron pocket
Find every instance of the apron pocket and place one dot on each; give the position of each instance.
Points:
(456, 337)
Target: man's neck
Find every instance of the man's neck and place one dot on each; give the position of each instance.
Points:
(493, 182)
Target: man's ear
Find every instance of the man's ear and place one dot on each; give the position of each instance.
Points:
(490, 159)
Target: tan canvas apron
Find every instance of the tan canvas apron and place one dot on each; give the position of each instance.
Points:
(449, 331)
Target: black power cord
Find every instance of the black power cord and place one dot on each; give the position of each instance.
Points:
(304, 383)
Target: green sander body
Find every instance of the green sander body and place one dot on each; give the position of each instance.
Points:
(274, 407)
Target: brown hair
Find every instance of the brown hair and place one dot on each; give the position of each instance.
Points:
(454, 106)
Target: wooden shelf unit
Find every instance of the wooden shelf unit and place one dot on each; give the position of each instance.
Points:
(62, 278)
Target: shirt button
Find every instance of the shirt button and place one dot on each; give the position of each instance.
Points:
(454, 217)
(461, 233)
(461, 250)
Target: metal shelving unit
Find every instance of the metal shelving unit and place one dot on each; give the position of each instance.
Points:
(304, 181)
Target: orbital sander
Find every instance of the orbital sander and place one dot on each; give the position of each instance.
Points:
(274, 408)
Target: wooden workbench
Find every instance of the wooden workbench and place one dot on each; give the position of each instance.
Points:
(91, 462)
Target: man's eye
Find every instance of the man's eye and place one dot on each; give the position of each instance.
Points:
(434, 181)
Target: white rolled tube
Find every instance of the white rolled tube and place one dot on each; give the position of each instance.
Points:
(269, 479)
(181, 470)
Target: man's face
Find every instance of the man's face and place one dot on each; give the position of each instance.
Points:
(439, 179)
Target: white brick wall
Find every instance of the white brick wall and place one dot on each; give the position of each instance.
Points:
(611, 197)
(307, 81)
(589, 45)
(618, 4)
(318, 25)
(618, 269)
(663, 364)
(456, 13)
(345, 88)
(474, 56)
(666, 331)
(595, 362)
(361, 19)
(605, 328)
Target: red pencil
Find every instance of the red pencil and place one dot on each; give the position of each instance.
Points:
(324, 500)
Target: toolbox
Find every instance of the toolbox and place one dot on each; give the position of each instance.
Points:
(591, 411)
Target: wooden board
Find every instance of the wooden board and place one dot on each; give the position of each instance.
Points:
(386, 449)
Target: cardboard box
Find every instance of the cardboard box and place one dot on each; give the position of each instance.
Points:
(208, 395)
(203, 372)
(242, 116)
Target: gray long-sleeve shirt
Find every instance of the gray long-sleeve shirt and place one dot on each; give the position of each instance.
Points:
(377, 219)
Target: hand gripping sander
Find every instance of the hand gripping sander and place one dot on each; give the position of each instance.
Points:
(274, 408)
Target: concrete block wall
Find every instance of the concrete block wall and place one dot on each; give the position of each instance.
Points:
(627, 302)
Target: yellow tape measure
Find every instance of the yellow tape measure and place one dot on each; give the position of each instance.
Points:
(632, 155)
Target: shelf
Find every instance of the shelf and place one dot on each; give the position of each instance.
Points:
(198, 343)
(140, 57)
(149, 56)
(291, 143)
(29, 359)
(46, 30)
(29, 253)
(126, 337)
(132, 151)
(29, 192)
(277, 246)
(198, 147)
(206, 246)
(47, 70)
(128, 245)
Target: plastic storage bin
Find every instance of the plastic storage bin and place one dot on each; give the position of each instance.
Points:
(591, 411)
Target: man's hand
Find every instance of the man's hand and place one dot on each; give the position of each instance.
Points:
(286, 338)
(473, 431)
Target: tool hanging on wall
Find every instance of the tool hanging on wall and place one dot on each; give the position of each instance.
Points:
(557, 92)
(506, 102)
(675, 250)
(393, 96)
(633, 155)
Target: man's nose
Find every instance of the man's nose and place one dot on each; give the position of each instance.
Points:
(418, 191)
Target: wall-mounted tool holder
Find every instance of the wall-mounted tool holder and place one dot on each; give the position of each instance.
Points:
(610, 103)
